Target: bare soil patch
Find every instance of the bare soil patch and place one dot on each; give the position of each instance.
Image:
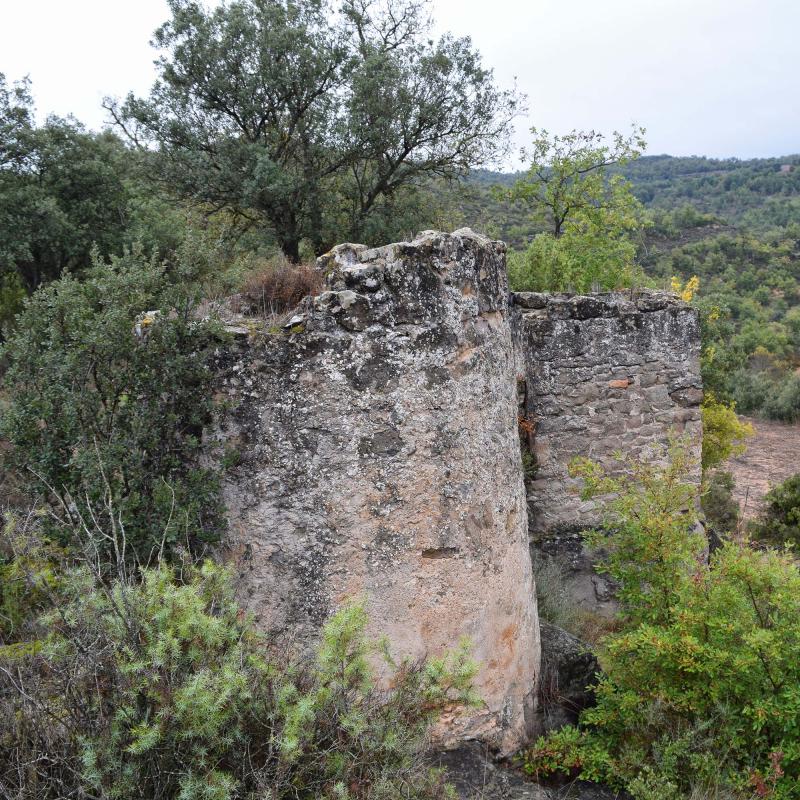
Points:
(772, 456)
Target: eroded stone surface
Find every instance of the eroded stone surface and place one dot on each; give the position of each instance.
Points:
(379, 459)
(378, 445)
(603, 373)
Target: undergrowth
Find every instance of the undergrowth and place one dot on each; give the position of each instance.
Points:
(701, 685)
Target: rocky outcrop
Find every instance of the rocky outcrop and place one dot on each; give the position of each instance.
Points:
(379, 460)
(476, 776)
(568, 676)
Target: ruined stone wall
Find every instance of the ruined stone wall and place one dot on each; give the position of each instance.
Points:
(598, 374)
(378, 447)
(379, 459)
(603, 373)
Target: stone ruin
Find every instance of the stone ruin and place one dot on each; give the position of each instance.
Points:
(599, 375)
(380, 453)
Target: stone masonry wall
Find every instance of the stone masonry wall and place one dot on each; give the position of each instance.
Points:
(377, 450)
(379, 459)
(598, 374)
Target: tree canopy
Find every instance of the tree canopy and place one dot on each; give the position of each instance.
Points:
(567, 178)
(310, 123)
(61, 191)
(588, 217)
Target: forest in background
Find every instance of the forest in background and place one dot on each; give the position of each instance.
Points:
(735, 224)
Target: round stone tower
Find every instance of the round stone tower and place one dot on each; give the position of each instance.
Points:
(380, 459)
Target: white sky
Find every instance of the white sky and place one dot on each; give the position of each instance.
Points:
(706, 77)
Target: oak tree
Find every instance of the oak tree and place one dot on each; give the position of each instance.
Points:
(310, 121)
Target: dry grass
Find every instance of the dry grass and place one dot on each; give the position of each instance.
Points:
(557, 606)
(276, 287)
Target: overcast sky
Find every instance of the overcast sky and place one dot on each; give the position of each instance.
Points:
(705, 77)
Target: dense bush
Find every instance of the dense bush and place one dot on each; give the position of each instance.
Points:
(159, 687)
(723, 432)
(773, 393)
(720, 508)
(701, 685)
(109, 391)
(649, 535)
(783, 402)
(780, 520)
(582, 259)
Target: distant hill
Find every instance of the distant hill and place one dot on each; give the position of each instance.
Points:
(733, 223)
(756, 195)
(751, 194)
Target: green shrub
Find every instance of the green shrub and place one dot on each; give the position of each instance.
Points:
(580, 260)
(160, 688)
(701, 686)
(720, 508)
(784, 403)
(648, 534)
(723, 432)
(768, 393)
(780, 520)
(109, 391)
(29, 576)
(12, 296)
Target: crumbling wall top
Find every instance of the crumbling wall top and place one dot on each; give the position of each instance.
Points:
(564, 305)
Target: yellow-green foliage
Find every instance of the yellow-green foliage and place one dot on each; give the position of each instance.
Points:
(701, 685)
(687, 290)
(28, 577)
(584, 258)
(647, 533)
(161, 688)
(723, 432)
(591, 220)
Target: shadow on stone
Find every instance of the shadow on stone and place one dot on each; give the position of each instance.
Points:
(568, 675)
(475, 776)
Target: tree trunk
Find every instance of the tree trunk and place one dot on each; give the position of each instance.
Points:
(287, 232)
(291, 249)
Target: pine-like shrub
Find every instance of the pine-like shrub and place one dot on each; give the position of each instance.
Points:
(160, 688)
